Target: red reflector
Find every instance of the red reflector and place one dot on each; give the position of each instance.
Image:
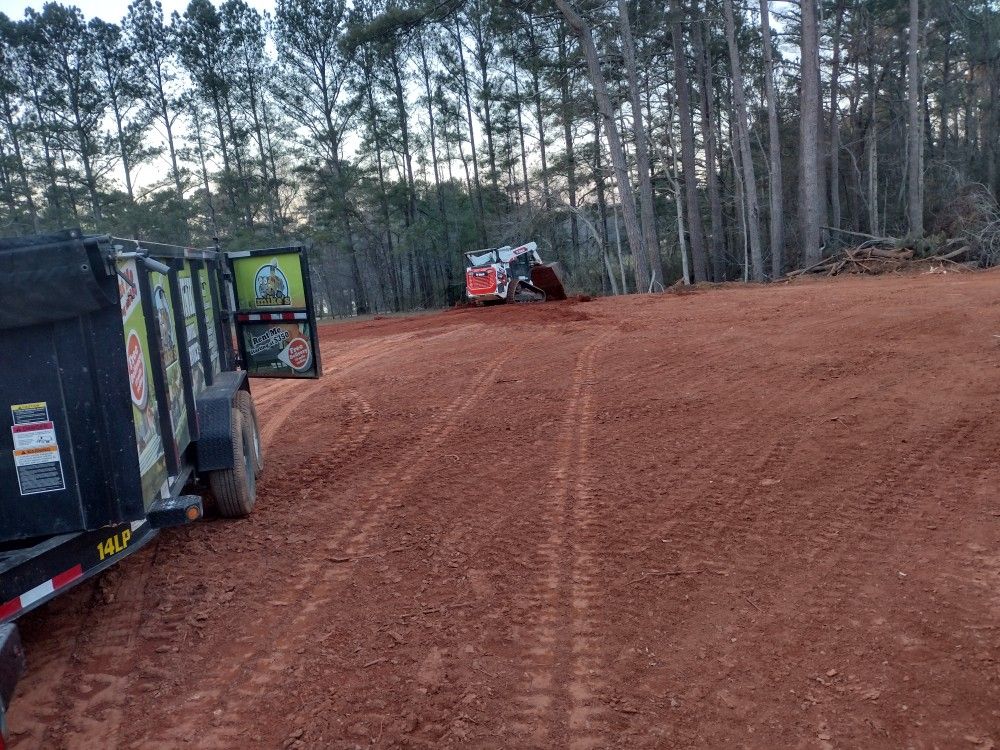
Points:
(68, 577)
(10, 608)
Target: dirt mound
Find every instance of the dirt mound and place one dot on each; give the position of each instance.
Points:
(539, 313)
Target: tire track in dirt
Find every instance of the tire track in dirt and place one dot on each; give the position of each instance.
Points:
(560, 691)
(342, 364)
(101, 662)
(98, 675)
(256, 670)
(337, 368)
(586, 708)
(105, 657)
(459, 528)
(38, 709)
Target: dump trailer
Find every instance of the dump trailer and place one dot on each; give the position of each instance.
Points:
(511, 274)
(125, 399)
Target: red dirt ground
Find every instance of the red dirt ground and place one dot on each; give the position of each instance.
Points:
(743, 517)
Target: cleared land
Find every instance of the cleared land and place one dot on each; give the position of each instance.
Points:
(759, 517)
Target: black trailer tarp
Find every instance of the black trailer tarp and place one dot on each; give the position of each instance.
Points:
(52, 277)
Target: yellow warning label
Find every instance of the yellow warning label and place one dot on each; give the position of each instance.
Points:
(36, 411)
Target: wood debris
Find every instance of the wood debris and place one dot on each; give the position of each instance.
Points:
(880, 255)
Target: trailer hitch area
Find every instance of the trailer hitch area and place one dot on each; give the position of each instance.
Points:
(174, 511)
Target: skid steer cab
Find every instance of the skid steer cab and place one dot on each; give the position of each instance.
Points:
(125, 399)
(511, 274)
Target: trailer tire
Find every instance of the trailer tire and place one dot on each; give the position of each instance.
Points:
(235, 489)
(244, 402)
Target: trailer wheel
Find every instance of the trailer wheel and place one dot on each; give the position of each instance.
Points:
(244, 402)
(235, 489)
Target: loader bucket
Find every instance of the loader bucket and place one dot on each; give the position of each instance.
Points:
(548, 278)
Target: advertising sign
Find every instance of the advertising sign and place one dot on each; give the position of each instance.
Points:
(270, 282)
(278, 349)
(149, 441)
(206, 280)
(185, 283)
(275, 320)
(170, 355)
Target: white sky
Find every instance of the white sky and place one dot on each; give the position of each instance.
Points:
(109, 10)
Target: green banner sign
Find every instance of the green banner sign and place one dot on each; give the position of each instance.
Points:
(269, 282)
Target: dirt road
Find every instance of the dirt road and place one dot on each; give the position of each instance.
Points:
(742, 517)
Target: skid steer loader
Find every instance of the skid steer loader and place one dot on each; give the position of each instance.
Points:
(511, 274)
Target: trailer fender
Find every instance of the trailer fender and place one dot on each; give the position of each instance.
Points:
(214, 449)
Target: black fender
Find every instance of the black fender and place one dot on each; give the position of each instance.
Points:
(214, 405)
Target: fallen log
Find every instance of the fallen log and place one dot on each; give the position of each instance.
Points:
(954, 253)
(880, 252)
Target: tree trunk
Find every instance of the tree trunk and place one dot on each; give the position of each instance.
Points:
(944, 95)
(567, 118)
(583, 33)
(254, 106)
(22, 172)
(200, 142)
(120, 136)
(702, 67)
(487, 95)
(675, 184)
(224, 150)
(539, 116)
(915, 207)
(773, 149)
(602, 209)
(871, 132)
(648, 212)
(442, 214)
(404, 129)
(835, 218)
(740, 199)
(168, 128)
(237, 142)
(696, 231)
(44, 132)
(520, 123)
(472, 136)
(809, 111)
(380, 171)
(752, 214)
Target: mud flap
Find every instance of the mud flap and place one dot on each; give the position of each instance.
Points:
(274, 313)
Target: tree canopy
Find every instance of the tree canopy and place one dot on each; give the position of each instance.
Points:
(638, 143)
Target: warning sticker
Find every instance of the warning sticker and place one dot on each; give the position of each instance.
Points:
(27, 413)
(33, 435)
(39, 469)
(36, 450)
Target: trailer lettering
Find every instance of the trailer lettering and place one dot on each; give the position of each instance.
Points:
(114, 545)
(273, 338)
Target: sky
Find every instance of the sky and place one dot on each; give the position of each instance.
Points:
(109, 10)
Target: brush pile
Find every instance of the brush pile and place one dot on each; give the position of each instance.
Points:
(882, 255)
